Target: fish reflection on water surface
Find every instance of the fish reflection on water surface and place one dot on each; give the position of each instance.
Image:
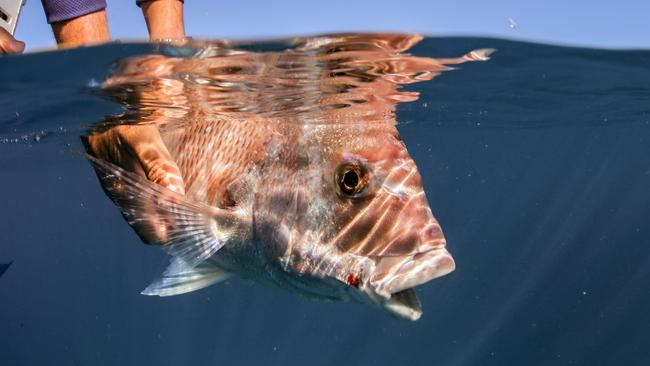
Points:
(289, 167)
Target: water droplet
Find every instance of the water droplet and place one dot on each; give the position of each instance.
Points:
(92, 83)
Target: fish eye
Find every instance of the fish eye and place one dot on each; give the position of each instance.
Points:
(351, 179)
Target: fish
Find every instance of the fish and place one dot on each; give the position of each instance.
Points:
(294, 172)
(4, 267)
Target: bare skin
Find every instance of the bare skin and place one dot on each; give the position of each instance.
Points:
(87, 29)
(164, 20)
(140, 149)
(8, 44)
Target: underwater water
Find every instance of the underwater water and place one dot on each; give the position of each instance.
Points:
(536, 164)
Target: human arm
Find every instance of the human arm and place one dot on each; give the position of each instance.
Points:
(164, 19)
(75, 24)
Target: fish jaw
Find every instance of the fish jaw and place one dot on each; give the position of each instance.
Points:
(392, 285)
(403, 305)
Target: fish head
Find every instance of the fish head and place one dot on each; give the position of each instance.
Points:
(378, 238)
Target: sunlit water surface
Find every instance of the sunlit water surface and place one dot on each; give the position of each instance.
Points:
(536, 164)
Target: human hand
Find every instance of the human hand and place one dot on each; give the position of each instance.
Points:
(141, 150)
(8, 44)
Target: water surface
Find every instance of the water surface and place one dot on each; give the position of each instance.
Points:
(536, 163)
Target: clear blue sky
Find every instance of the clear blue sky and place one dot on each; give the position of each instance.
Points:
(612, 24)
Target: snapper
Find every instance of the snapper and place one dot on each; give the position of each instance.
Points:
(293, 170)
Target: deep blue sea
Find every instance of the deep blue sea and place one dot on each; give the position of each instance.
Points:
(536, 163)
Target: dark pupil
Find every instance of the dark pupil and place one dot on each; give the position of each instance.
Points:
(351, 180)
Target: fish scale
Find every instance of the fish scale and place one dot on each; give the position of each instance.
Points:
(208, 172)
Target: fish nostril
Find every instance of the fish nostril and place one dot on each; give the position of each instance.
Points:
(432, 230)
(432, 236)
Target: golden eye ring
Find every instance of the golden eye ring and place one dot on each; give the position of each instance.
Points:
(351, 179)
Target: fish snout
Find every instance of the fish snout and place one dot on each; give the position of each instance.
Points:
(431, 237)
(413, 229)
(395, 274)
(414, 252)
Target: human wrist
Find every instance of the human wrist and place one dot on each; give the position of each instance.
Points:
(164, 19)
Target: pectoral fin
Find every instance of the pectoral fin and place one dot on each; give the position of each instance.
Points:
(188, 230)
(179, 278)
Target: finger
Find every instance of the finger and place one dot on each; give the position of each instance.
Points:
(8, 44)
(159, 167)
(147, 146)
(109, 146)
(139, 149)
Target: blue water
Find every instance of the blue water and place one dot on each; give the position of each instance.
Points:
(536, 163)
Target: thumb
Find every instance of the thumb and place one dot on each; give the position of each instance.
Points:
(141, 150)
(148, 147)
(8, 44)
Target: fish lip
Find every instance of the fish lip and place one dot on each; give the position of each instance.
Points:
(412, 270)
(404, 304)
(396, 292)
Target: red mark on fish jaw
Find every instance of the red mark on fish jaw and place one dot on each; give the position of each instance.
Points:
(353, 280)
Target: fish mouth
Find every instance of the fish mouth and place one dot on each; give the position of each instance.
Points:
(396, 278)
(404, 305)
